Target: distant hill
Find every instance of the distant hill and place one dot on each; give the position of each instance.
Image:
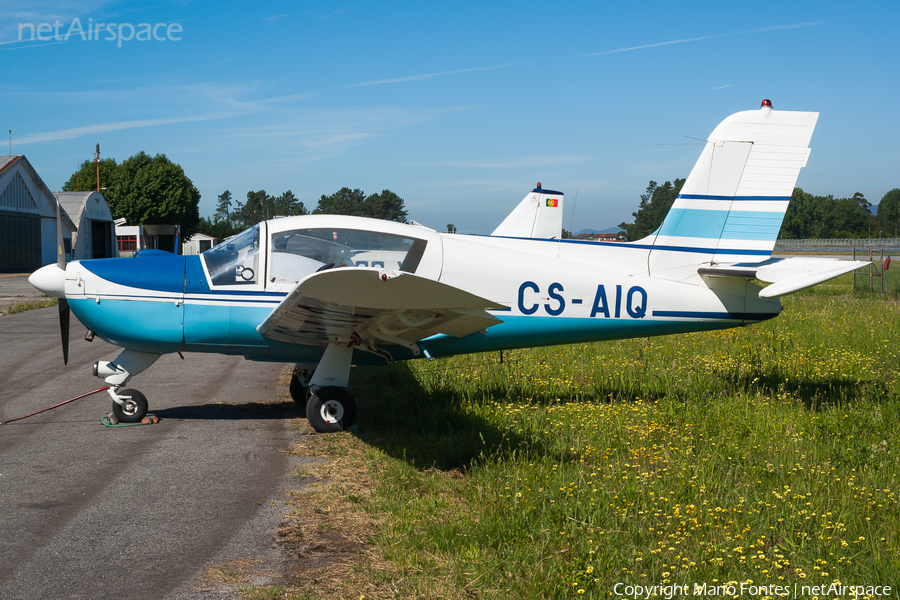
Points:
(607, 230)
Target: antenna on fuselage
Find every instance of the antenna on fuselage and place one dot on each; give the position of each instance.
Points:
(574, 204)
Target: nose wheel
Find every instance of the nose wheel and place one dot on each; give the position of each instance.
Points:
(330, 409)
(134, 407)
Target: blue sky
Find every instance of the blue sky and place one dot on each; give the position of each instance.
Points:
(458, 107)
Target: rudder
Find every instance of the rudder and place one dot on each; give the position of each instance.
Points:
(733, 202)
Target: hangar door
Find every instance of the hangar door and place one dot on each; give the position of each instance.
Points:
(101, 239)
(20, 241)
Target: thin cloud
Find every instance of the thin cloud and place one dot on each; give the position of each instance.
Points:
(705, 37)
(527, 161)
(30, 46)
(274, 17)
(479, 186)
(68, 134)
(325, 16)
(424, 76)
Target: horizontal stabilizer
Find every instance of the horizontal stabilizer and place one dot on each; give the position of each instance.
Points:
(787, 275)
(538, 216)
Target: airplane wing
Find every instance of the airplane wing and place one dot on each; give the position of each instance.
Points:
(787, 275)
(363, 307)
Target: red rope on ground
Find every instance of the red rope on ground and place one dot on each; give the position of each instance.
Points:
(55, 406)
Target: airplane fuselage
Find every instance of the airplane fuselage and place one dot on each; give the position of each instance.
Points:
(552, 291)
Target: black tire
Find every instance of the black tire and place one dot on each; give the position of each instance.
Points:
(298, 390)
(134, 409)
(331, 409)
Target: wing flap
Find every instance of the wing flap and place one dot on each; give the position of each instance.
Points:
(366, 306)
(387, 290)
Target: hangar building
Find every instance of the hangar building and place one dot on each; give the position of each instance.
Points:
(94, 236)
(28, 220)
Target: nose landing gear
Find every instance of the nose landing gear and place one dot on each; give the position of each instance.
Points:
(129, 406)
(133, 408)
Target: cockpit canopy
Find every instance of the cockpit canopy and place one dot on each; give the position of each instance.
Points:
(300, 252)
(296, 253)
(236, 260)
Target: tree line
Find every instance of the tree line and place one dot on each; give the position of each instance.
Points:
(148, 190)
(144, 189)
(807, 217)
(232, 216)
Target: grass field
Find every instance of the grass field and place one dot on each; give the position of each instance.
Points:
(764, 455)
(21, 305)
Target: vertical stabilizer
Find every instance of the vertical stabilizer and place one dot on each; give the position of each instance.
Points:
(539, 215)
(733, 202)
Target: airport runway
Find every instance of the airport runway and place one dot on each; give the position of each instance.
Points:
(92, 512)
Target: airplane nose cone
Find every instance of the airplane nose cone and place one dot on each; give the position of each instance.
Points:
(50, 279)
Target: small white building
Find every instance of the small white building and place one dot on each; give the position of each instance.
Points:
(198, 244)
(132, 238)
(129, 239)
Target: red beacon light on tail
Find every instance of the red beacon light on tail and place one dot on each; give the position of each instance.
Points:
(766, 103)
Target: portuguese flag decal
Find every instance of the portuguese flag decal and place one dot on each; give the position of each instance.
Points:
(553, 202)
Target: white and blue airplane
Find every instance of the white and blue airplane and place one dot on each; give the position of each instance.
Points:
(328, 291)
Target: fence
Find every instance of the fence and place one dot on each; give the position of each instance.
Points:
(845, 243)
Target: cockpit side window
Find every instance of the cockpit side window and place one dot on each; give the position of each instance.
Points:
(236, 260)
(301, 252)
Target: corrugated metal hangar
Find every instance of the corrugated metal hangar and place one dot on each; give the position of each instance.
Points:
(28, 220)
(95, 236)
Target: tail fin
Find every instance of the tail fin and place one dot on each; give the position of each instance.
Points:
(539, 215)
(733, 202)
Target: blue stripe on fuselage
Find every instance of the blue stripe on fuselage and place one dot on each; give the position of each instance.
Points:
(636, 246)
(526, 331)
(157, 272)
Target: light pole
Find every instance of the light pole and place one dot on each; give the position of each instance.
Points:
(97, 160)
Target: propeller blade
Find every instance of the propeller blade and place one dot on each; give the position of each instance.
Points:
(64, 328)
(64, 311)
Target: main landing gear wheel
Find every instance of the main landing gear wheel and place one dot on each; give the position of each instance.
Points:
(134, 409)
(298, 390)
(330, 409)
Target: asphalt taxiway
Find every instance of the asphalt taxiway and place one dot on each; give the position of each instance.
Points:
(88, 511)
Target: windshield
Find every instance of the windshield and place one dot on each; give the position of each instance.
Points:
(236, 260)
(301, 252)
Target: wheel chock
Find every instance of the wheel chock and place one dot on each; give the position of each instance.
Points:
(110, 420)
